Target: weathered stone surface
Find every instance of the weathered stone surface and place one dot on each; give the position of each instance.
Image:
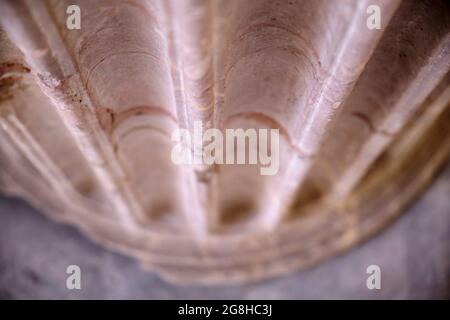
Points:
(87, 118)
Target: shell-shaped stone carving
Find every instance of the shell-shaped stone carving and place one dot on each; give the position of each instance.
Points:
(87, 116)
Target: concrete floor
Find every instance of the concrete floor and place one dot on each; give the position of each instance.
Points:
(413, 253)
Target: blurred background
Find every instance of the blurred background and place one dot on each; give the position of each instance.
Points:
(413, 254)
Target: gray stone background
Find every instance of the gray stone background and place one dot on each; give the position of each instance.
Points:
(413, 253)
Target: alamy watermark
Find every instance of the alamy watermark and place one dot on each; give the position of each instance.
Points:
(374, 19)
(73, 21)
(374, 279)
(73, 281)
(234, 146)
